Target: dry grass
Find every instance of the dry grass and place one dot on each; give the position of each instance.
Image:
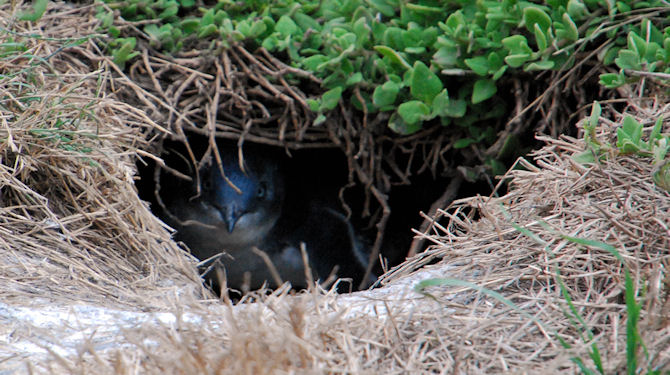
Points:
(91, 282)
(71, 224)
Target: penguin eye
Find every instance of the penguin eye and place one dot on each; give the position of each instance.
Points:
(262, 190)
(206, 183)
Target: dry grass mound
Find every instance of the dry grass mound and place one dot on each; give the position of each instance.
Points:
(92, 283)
(71, 224)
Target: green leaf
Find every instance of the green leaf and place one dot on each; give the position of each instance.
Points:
(539, 65)
(637, 44)
(424, 8)
(39, 7)
(312, 62)
(517, 45)
(628, 60)
(313, 105)
(540, 38)
(571, 32)
(482, 90)
(495, 61)
(440, 104)
(628, 136)
(594, 118)
(286, 26)
(383, 7)
(498, 73)
(577, 9)
(330, 98)
(612, 80)
(270, 43)
(516, 61)
(662, 176)
(123, 50)
(463, 143)
(398, 125)
(497, 167)
(456, 108)
(413, 111)
(258, 28)
(424, 84)
(455, 21)
(393, 38)
(207, 30)
(208, 17)
(385, 94)
(533, 15)
(479, 65)
(446, 57)
(584, 157)
(355, 78)
(169, 12)
(189, 25)
(392, 55)
(361, 29)
(306, 22)
(656, 130)
(319, 119)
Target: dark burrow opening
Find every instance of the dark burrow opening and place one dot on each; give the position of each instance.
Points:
(312, 177)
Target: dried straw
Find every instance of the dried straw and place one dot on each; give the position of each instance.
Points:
(71, 224)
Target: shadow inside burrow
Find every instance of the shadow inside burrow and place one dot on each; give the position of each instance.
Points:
(312, 176)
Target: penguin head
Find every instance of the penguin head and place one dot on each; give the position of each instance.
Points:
(245, 200)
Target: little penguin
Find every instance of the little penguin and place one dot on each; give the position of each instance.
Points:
(244, 207)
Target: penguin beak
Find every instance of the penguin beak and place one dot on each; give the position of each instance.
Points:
(231, 214)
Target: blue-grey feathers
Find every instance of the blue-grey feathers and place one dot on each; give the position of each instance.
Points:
(245, 208)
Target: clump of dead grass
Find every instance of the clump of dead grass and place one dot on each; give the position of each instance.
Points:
(71, 224)
(612, 202)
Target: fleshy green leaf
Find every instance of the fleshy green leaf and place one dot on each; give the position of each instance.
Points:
(463, 143)
(628, 136)
(383, 7)
(612, 80)
(312, 62)
(516, 61)
(571, 32)
(440, 104)
(628, 60)
(584, 157)
(479, 65)
(207, 30)
(413, 111)
(398, 125)
(330, 98)
(425, 84)
(533, 15)
(456, 108)
(517, 44)
(392, 55)
(355, 78)
(39, 7)
(540, 37)
(482, 90)
(385, 94)
(286, 26)
(319, 119)
(539, 65)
